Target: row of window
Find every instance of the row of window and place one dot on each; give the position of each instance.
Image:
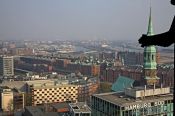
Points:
(58, 91)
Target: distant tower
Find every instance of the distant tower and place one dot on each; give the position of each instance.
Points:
(150, 64)
(6, 66)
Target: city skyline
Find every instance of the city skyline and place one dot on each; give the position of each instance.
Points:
(88, 78)
(72, 20)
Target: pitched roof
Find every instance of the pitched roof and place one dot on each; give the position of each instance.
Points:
(121, 83)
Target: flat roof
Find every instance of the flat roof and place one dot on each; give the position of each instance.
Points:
(138, 88)
(39, 81)
(42, 84)
(38, 111)
(120, 99)
(34, 110)
(80, 107)
(60, 105)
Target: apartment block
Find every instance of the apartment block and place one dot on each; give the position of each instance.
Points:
(6, 99)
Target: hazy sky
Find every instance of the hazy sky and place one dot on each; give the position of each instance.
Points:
(82, 19)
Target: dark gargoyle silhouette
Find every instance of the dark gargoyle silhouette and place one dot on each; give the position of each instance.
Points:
(163, 39)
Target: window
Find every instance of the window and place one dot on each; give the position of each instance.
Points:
(152, 57)
(148, 57)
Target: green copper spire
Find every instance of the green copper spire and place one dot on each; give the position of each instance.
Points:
(150, 51)
(150, 25)
(150, 64)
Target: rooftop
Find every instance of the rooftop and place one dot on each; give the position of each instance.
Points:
(39, 81)
(39, 111)
(121, 83)
(14, 84)
(49, 83)
(4, 87)
(60, 105)
(80, 107)
(121, 99)
(140, 92)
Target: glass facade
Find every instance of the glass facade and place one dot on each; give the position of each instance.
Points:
(104, 108)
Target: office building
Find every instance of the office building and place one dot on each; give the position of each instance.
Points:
(6, 66)
(138, 101)
(47, 91)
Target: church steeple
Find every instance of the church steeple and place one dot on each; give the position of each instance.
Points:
(150, 64)
(150, 25)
